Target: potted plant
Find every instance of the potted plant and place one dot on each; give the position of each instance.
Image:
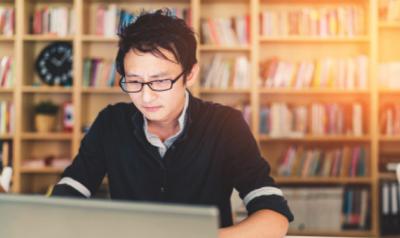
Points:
(45, 116)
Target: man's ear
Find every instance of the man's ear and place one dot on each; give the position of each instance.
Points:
(192, 76)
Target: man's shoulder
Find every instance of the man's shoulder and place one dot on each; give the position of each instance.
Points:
(210, 109)
(118, 110)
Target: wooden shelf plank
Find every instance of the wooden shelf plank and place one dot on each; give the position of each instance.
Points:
(96, 38)
(6, 90)
(385, 138)
(44, 170)
(109, 90)
(46, 89)
(300, 39)
(6, 137)
(389, 24)
(388, 176)
(323, 138)
(389, 91)
(323, 180)
(29, 37)
(47, 136)
(220, 90)
(4, 38)
(311, 91)
(224, 48)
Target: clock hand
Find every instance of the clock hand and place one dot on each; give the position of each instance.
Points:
(56, 62)
(64, 58)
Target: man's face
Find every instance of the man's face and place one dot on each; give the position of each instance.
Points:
(145, 67)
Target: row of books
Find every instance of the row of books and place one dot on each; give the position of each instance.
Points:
(389, 207)
(7, 117)
(226, 31)
(283, 120)
(110, 19)
(59, 21)
(6, 72)
(328, 209)
(345, 20)
(226, 72)
(390, 120)
(388, 74)
(346, 73)
(389, 10)
(7, 21)
(100, 73)
(356, 215)
(308, 162)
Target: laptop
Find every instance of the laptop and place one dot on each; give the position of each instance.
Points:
(41, 217)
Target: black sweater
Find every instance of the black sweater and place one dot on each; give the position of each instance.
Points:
(215, 153)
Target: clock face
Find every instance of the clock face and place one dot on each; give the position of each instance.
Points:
(54, 64)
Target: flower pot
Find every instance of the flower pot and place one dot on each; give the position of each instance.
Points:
(44, 123)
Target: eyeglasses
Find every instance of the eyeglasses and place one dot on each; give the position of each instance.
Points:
(155, 85)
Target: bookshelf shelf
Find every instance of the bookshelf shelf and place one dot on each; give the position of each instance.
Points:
(96, 38)
(389, 24)
(6, 90)
(308, 39)
(312, 91)
(7, 38)
(46, 38)
(224, 48)
(6, 136)
(113, 90)
(60, 136)
(322, 180)
(44, 170)
(387, 175)
(389, 91)
(311, 138)
(224, 91)
(385, 138)
(47, 89)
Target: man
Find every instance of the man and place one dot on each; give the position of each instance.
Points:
(169, 146)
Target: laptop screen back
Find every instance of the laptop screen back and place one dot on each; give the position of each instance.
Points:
(41, 217)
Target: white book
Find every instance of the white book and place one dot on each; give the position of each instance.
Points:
(71, 22)
(394, 199)
(362, 62)
(350, 74)
(357, 120)
(111, 20)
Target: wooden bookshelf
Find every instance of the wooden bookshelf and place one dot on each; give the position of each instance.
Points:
(319, 180)
(376, 43)
(44, 170)
(50, 38)
(305, 39)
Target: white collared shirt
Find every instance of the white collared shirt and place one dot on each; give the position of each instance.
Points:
(156, 141)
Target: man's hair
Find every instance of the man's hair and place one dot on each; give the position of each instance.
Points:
(155, 30)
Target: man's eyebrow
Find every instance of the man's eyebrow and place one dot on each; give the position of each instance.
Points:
(158, 75)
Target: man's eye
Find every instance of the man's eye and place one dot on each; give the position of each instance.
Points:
(133, 81)
(160, 81)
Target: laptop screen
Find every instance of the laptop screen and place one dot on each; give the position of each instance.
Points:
(37, 216)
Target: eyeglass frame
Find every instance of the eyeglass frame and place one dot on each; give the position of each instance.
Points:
(173, 81)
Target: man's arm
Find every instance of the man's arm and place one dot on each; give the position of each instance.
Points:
(249, 172)
(83, 177)
(261, 224)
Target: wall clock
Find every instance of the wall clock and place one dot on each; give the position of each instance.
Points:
(54, 64)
